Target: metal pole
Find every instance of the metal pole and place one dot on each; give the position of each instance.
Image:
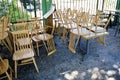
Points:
(35, 8)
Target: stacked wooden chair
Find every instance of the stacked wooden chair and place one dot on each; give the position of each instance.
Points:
(89, 32)
(23, 49)
(5, 69)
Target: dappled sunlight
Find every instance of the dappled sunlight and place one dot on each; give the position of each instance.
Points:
(71, 75)
(95, 73)
(101, 74)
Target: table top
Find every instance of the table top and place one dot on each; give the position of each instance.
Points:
(5, 35)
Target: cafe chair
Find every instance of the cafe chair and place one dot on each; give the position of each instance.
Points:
(68, 24)
(96, 28)
(45, 38)
(4, 33)
(75, 34)
(5, 69)
(58, 21)
(23, 49)
(96, 32)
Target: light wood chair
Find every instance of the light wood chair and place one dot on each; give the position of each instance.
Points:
(23, 49)
(3, 33)
(58, 22)
(96, 32)
(75, 34)
(3, 25)
(96, 28)
(68, 24)
(4, 67)
(46, 38)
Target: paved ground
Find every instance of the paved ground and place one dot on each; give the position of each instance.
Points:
(102, 63)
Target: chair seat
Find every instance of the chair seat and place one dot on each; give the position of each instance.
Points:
(24, 41)
(95, 35)
(23, 54)
(82, 31)
(43, 37)
(98, 29)
(4, 67)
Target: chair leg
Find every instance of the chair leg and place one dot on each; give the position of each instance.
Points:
(64, 36)
(15, 69)
(8, 76)
(71, 45)
(116, 31)
(51, 46)
(11, 70)
(87, 46)
(6, 46)
(37, 48)
(35, 64)
(58, 29)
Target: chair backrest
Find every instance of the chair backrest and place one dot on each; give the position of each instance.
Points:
(3, 25)
(21, 20)
(21, 40)
(19, 26)
(109, 18)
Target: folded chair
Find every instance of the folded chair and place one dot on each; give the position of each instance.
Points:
(4, 67)
(23, 49)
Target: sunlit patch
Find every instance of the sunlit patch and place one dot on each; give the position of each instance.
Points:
(68, 76)
(89, 70)
(102, 71)
(83, 74)
(115, 66)
(119, 71)
(111, 78)
(111, 72)
(94, 76)
(71, 76)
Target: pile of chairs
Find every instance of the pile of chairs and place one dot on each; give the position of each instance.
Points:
(80, 24)
(23, 35)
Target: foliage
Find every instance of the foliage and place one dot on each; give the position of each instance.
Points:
(13, 10)
(4, 8)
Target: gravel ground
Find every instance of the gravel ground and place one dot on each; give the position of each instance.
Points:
(101, 63)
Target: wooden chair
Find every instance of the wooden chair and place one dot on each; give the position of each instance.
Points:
(75, 34)
(68, 24)
(23, 49)
(98, 28)
(4, 67)
(36, 29)
(46, 38)
(58, 22)
(96, 32)
(3, 25)
(3, 33)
